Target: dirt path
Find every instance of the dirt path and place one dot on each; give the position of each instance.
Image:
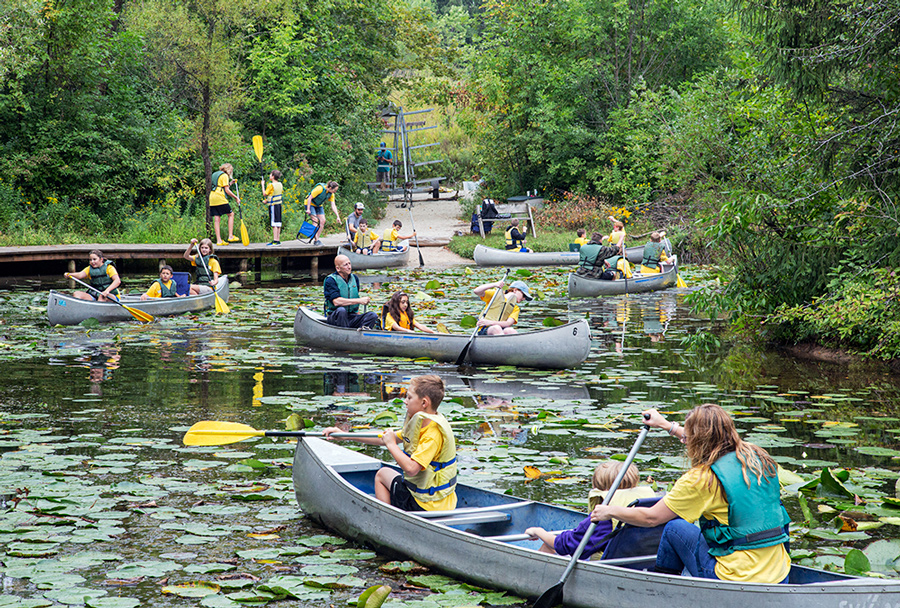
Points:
(438, 220)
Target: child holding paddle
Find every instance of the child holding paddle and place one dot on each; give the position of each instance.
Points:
(565, 543)
(164, 287)
(501, 313)
(207, 265)
(425, 449)
(102, 275)
(392, 237)
(273, 193)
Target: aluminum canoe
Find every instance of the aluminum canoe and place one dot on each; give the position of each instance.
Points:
(562, 347)
(333, 486)
(63, 309)
(382, 259)
(489, 256)
(584, 287)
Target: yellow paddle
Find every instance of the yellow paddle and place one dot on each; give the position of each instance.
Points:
(140, 315)
(221, 306)
(212, 432)
(245, 238)
(678, 280)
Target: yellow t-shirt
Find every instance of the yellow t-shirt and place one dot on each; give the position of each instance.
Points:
(430, 443)
(213, 264)
(691, 497)
(216, 197)
(155, 291)
(316, 192)
(389, 321)
(486, 297)
(581, 240)
(391, 234)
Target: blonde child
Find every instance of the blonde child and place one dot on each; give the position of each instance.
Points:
(366, 241)
(617, 236)
(164, 287)
(392, 237)
(273, 194)
(102, 276)
(208, 269)
(566, 542)
(425, 450)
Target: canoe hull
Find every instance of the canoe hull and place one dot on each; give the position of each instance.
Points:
(583, 287)
(560, 347)
(325, 480)
(63, 309)
(391, 259)
(489, 256)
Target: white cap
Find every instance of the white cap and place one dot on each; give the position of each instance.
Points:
(360, 206)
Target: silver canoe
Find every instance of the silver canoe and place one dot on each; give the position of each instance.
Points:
(391, 259)
(333, 486)
(584, 287)
(63, 309)
(488, 256)
(562, 347)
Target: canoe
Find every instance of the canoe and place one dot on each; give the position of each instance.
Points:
(561, 347)
(390, 259)
(333, 486)
(489, 256)
(63, 309)
(584, 287)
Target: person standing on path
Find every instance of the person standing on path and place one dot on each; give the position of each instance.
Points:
(315, 205)
(383, 160)
(222, 180)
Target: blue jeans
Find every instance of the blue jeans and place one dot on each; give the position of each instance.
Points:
(683, 547)
(341, 318)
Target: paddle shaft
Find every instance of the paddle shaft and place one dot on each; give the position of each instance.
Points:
(140, 315)
(242, 433)
(97, 291)
(612, 490)
(465, 351)
(202, 261)
(412, 224)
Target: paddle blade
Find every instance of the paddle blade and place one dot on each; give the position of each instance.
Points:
(140, 315)
(551, 597)
(210, 432)
(245, 237)
(221, 307)
(258, 146)
(679, 282)
(464, 352)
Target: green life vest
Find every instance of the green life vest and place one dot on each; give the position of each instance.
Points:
(512, 243)
(348, 290)
(614, 264)
(100, 280)
(438, 479)
(319, 201)
(215, 182)
(587, 255)
(756, 517)
(204, 275)
(652, 254)
(501, 307)
(168, 292)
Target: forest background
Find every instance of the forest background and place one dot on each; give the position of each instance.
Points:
(765, 134)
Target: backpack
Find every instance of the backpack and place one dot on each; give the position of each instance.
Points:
(627, 540)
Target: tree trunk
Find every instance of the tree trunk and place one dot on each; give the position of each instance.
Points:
(204, 152)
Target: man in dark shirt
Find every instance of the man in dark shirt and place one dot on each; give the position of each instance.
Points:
(342, 298)
(591, 258)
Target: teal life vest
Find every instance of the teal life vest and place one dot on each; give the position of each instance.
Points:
(215, 181)
(587, 255)
(756, 517)
(319, 201)
(652, 254)
(512, 243)
(204, 275)
(167, 292)
(348, 290)
(100, 280)
(614, 264)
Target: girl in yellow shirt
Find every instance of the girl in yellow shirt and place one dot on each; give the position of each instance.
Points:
(399, 315)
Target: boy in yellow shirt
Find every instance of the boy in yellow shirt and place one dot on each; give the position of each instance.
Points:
(366, 241)
(273, 193)
(581, 240)
(392, 237)
(164, 287)
(427, 455)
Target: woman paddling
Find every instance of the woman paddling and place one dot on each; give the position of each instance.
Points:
(732, 488)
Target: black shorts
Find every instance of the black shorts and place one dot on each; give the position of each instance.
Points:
(275, 215)
(217, 210)
(401, 497)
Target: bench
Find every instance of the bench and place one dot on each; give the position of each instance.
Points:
(473, 515)
(517, 207)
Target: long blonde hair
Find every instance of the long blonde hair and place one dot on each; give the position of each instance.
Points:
(710, 434)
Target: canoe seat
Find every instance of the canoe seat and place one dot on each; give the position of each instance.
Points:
(471, 510)
(475, 518)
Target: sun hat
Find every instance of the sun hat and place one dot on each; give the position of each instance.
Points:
(360, 206)
(521, 286)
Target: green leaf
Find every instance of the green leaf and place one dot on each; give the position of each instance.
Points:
(830, 485)
(373, 597)
(468, 322)
(433, 284)
(552, 322)
(856, 563)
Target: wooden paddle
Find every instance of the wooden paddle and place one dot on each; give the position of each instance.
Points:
(413, 226)
(140, 315)
(221, 306)
(465, 351)
(211, 432)
(554, 595)
(245, 238)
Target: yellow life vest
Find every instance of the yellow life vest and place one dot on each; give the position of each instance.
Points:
(615, 236)
(512, 243)
(364, 240)
(277, 193)
(438, 480)
(501, 307)
(387, 242)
